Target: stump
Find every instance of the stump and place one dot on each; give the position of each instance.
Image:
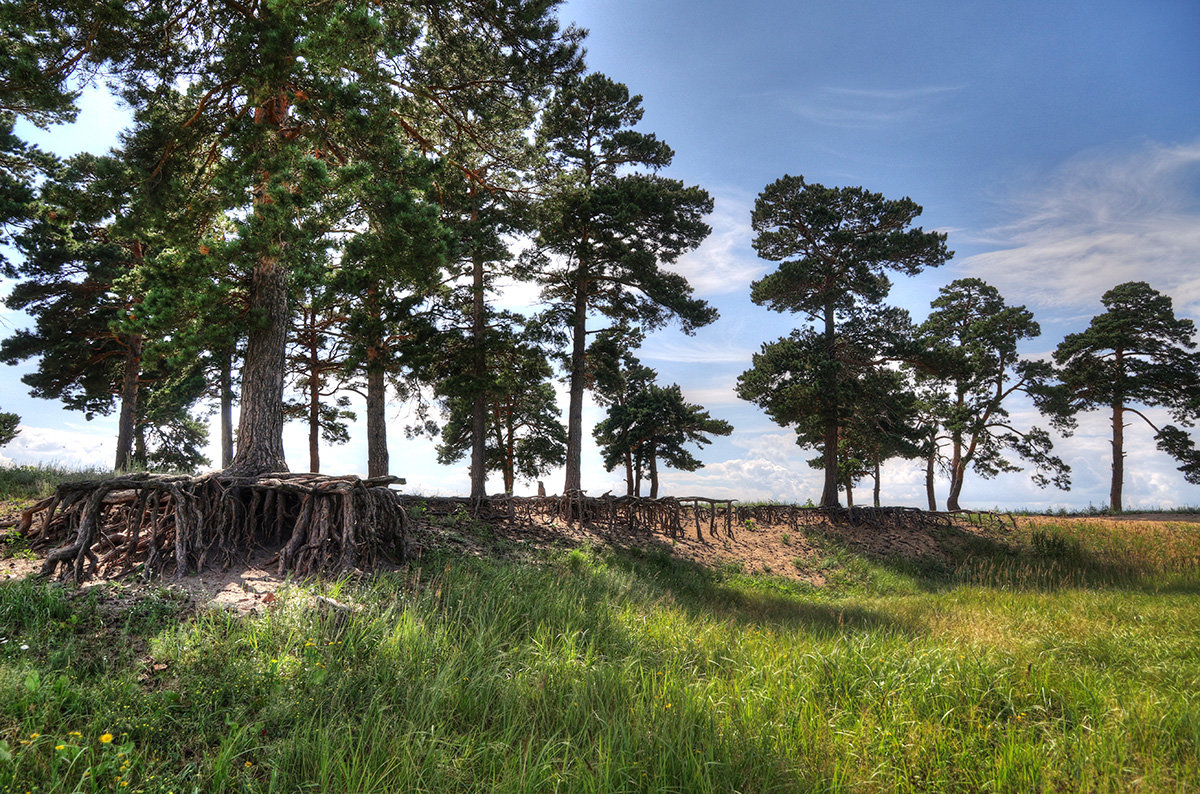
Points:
(320, 524)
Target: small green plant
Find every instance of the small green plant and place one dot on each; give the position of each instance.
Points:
(786, 538)
(750, 525)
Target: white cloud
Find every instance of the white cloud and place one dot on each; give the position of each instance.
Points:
(75, 447)
(746, 479)
(694, 351)
(856, 108)
(1103, 219)
(725, 262)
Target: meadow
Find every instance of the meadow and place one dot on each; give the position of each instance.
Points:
(1064, 655)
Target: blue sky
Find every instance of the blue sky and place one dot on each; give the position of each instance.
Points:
(1057, 143)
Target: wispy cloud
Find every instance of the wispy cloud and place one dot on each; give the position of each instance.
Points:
(726, 261)
(861, 108)
(1102, 219)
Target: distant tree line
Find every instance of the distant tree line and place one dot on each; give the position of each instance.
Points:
(319, 200)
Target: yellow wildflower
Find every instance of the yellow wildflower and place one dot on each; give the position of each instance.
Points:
(106, 738)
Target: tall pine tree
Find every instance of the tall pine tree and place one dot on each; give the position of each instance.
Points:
(1135, 354)
(605, 230)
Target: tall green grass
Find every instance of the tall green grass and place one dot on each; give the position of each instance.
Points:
(18, 483)
(594, 671)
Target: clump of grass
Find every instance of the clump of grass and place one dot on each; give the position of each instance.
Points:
(19, 483)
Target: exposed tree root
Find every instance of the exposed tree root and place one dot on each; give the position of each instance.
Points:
(111, 526)
(672, 516)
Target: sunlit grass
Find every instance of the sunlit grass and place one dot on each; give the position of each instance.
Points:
(1071, 663)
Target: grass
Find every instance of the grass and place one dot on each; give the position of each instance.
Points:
(23, 483)
(1065, 656)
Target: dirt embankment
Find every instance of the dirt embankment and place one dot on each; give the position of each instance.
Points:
(799, 554)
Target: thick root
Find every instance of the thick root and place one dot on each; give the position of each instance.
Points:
(113, 526)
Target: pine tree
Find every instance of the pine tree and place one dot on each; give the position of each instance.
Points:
(524, 436)
(84, 270)
(281, 94)
(976, 335)
(835, 247)
(655, 423)
(1137, 353)
(801, 382)
(604, 231)
(616, 375)
(317, 367)
(8, 427)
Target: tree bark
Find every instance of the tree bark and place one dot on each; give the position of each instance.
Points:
(377, 449)
(314, 422)
(956, 484)
(129, 400)
(829, 496)
(876, 492)
(260, 426)
(958, 468)
(929, 493)
(1118, 460)
(653, 473)
(226, 409)
(577, 382)
(479, 402)
(139, 445)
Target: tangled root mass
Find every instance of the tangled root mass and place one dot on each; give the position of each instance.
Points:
(319, 524)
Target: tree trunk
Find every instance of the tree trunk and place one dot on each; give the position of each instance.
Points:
(377, 449)
(129, 399)
(1118, 459)
(227, 409)
(314, 422)
(929, 494)
(653, 473)
(506, 442)
(628, 473)
(139, 445)
(956, 484)
(260, 427)
(829, 496)
(958, 470)
(876, 493)
(578, 376)
(479, 402)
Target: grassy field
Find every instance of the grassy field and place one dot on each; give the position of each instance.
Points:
(1063, 656)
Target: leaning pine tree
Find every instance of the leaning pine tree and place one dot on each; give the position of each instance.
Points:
(277, 94)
